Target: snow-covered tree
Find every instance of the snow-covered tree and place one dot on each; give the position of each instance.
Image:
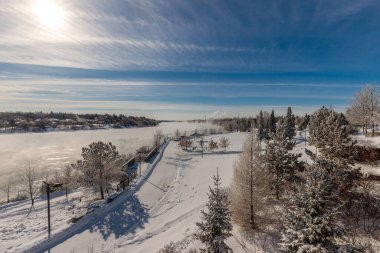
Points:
(281, 129)
(215, 226)
(304, 123)
(212, 145)
(224, 143)
(281, 164)
(261, 126)
(185, 143)
(290, 120)
(272, 124)
(177, 134)
(365, 107)
(250, 186)
(100, 165)
(332, 138)
(29, 179)
(326, 129)
(310, 219)
(5, 187)
(158, 137)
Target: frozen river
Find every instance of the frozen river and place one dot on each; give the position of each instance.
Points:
(53, 150)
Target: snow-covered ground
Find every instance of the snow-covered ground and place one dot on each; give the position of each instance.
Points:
(164, 206)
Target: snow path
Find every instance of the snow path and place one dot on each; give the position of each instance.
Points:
(87, 223)
(165, 208)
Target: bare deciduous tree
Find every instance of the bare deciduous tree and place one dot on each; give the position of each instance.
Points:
(185, 143)
(6, 189)
(364, 108)
(224, 143)
(158, 137)
(250, 185)
(29, 179)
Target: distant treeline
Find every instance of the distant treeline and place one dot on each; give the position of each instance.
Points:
(244, 124)
(41, 121)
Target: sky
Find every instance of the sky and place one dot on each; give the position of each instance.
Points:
(172, 59)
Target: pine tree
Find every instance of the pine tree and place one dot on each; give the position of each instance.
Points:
(261, 126)
(272, 124)
(310, 219)
(216, 226)
(326, 129)
(250, 186)
(281, 164)
(290, 120)
(281, 129)
(304, 123)
(332, 138)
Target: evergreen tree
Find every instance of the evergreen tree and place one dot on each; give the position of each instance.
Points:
(310, 220)
(290, 120)
(261, 126)
(304, 123)
(281, 129)
(216, 226)
(272, 124)
(332, 138)
(281, 164)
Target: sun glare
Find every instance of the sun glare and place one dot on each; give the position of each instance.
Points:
(49, 13)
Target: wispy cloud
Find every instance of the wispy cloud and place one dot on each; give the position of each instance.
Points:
(160, 57)
(181, 35)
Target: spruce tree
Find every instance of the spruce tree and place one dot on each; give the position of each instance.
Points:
(216, 226)
(310, 219)
(272, 124)
(328, 133)
(281, 164)
(304, 123)
(290, 120)
(281, 129)
(261, 126)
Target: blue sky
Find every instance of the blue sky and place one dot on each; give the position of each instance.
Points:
(187, 59)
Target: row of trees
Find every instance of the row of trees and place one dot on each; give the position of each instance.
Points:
(42, 120)
(224, 143)
(315, 195)
(270, 126)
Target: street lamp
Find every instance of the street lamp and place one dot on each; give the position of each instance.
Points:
(48, 201)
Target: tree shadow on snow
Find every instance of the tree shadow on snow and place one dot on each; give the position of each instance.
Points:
(128, 218)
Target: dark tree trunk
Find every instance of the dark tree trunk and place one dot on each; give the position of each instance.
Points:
(101, 184)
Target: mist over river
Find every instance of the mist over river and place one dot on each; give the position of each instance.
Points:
(51, 151)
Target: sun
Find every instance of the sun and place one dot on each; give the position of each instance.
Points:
(50, 14)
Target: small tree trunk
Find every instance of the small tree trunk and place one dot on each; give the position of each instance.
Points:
(101, 184)
(373, 130)
(101, 192)
(31, 194)
(8, 191)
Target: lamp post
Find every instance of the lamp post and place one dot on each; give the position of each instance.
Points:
(48, 202)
